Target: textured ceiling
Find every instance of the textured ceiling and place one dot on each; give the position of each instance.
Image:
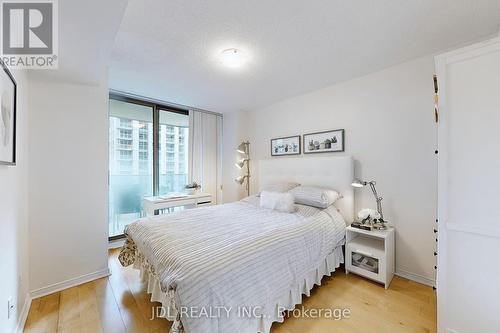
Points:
(167, 49)
(87, 30)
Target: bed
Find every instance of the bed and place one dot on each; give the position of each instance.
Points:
(236, 267)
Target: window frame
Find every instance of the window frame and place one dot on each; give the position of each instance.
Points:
(157, 108)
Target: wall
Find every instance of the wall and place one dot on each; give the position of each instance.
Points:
(68, 184)
(14, 217)
(390, 131)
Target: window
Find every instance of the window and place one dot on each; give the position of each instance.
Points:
(125, 134)
(125, 123)
(124, 144)
(136, 169)
(173, 156)
(130, 172)
(125, 154)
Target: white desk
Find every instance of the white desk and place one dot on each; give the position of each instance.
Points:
(151, 204)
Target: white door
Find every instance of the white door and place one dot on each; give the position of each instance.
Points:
(468, 277)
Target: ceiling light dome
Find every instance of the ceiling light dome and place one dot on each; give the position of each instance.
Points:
(233, 58)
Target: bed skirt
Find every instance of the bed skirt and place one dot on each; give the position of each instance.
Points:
(262, 324)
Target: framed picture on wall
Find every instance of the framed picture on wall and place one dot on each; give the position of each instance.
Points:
(7, 117)
(285, 146)
(324, 142)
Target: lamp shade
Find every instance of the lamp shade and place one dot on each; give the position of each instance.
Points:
(243, 148)
(358, 183)
(241, 163)
(240, 179)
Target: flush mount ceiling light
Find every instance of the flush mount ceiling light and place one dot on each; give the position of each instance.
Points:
(233, 58)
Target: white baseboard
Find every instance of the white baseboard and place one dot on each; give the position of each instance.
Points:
(449, 330)
(69, 283)
(415, 277)
(24, 314)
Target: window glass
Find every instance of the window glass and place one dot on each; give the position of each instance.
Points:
(130, 162)
(173, 152)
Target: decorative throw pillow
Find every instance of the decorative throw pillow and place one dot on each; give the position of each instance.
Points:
(319, 197)
(282, 202)
(279, 187)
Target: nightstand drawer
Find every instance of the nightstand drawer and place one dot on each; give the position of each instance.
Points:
(365, 257)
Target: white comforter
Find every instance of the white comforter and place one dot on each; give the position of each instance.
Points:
(233, 256)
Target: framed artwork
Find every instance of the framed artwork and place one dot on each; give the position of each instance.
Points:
(324, 142)
(7, 117)
(285, 146)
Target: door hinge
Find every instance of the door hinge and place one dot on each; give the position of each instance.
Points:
(436, 99)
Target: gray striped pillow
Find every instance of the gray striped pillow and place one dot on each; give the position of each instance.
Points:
(315, 196)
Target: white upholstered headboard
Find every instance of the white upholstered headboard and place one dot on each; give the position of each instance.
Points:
(333, 172)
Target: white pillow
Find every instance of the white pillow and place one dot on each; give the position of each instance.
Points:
(279, 187)
(315, 196)
(282, 202)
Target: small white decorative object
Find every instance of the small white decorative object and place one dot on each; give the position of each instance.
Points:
(192, 188)
(368, 215)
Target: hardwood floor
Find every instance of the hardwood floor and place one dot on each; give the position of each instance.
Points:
(120, 304)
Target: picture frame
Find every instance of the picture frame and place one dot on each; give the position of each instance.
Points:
(289, 145)
(8, 104)
(324, 142)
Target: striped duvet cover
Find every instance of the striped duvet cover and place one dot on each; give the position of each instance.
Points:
(223, 260)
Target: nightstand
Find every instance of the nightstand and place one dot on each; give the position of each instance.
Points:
(371, 254)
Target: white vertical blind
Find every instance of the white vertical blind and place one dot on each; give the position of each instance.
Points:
(205, 166)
